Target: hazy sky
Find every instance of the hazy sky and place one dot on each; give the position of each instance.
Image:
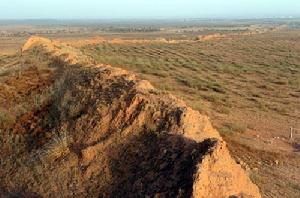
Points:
(75, 9)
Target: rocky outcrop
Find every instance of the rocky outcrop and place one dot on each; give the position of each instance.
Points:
(114, 135)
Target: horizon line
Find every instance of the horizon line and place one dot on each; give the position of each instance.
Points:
(149, 18)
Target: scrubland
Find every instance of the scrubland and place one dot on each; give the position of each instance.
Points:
(249, 86)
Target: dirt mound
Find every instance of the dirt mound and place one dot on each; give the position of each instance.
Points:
(121, 41)
(106, 133)
(57, 49)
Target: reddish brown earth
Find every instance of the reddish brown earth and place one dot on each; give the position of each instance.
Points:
(99, 131)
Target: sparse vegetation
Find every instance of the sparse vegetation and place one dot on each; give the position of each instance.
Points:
(248, 85)
(233, 127)
(6, 118)
(253, 86)
(244, 77)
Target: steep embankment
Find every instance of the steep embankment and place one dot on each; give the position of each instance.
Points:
(105, 133)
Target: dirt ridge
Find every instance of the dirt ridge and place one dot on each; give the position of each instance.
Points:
(119, 136)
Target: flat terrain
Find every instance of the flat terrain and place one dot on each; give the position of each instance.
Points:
(248, 84)
(252, 81)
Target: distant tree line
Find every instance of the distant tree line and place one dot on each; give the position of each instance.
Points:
(131, 29)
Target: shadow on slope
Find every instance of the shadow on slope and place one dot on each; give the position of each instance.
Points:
(150, 164)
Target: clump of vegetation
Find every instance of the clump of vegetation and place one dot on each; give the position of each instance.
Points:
(6, 118)
(56, 148)
(233, 128)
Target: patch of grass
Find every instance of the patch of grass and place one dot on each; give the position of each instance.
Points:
(6, 118)
(256, 178)
(222, 110)
(56, 148)
(217, 99)
(199, 106)
(217, 88)
(233, 127)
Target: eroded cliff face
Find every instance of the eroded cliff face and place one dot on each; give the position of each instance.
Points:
(110, 134)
